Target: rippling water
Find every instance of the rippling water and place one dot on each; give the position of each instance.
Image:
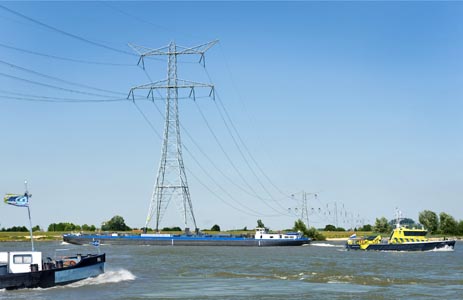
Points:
(318, 271)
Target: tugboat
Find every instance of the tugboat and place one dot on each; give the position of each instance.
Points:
(402, 239)
(26, 269)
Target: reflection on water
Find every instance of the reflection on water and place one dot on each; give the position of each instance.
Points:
(320, 271)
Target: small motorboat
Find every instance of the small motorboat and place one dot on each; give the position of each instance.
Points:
(402, 239)
(26, 269)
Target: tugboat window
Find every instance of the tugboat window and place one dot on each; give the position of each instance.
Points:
(22, 259)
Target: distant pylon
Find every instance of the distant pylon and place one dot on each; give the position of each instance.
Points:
(171, 181)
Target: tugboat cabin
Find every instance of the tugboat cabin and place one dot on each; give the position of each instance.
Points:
(405, 235)
(20, 262)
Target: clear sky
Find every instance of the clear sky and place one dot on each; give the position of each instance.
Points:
(359, 102)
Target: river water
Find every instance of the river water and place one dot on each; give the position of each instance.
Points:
(319, 271)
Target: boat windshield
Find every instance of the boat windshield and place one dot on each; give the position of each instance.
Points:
(415, 233)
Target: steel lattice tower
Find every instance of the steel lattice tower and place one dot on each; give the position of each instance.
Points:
(171, 180)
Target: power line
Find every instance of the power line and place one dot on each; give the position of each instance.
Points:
(64, 58)
(147, 120)
(234, 127)
(255, 214)
(196, 160)
(205, 155)
(52, 86)
(57, 79)
(245, 159)
(71, 35)
(57, 100)
(212, 162)
(233, 164)
(141, 20)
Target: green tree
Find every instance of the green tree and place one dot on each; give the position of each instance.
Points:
(86, 227)
(382, 226)
(215, 228)
(460, 228)
(260, 224)
(116, 223)
(312, 232)
(63, 226)
(69, 227)
(429, 220)
(330, 227)
(16, 229)
(175, 228)
(448, 225)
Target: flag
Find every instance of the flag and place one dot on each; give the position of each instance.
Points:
(353, 236)
(17, 200)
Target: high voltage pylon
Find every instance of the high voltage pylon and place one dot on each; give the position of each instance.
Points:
(171, 181)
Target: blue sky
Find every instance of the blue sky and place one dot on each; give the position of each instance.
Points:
(359, 102)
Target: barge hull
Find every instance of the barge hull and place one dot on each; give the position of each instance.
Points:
(183, 241)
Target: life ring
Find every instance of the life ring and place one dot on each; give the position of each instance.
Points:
(70, 263)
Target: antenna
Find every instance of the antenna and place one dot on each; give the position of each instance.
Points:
(398, 215)
(171, 181)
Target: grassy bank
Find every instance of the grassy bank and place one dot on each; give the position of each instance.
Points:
(25, 236)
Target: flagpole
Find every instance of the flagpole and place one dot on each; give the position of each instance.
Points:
(30, 227)
(29, 212)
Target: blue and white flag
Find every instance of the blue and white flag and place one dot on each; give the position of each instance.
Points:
(17, 200)
(353, 236)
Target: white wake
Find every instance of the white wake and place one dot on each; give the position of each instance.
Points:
(113, 276)
(326, 245)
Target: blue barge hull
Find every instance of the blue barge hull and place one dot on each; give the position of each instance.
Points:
(183, 240)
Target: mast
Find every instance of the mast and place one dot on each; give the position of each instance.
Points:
(171, 180)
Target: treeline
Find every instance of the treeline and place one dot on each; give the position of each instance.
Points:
(442, 224)
(116, 223)
(66, 226)
(435, 224)
(20, 229)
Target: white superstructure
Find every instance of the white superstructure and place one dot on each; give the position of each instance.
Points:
(21, 261)
(263, 234)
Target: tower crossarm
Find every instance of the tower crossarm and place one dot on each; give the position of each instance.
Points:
(164, 84)
(167, 50)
